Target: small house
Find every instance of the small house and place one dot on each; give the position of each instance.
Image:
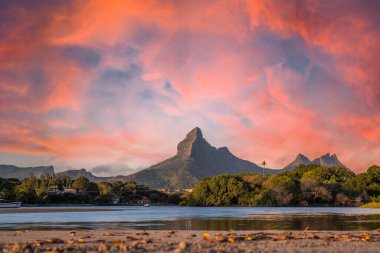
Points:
(115, 200)
(70, 191)
(54, 191)
(144, 200)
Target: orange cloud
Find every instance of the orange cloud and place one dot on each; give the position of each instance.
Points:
(113, 79)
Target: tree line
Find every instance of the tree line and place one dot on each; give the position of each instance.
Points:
(35, 190)
(310, 185)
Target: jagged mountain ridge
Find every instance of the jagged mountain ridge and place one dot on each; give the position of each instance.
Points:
(195, 159)
(326, 160)
(11, 171)
(73, 174)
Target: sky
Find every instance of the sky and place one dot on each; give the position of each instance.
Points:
(113, 86)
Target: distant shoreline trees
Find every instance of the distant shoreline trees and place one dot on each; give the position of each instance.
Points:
(63, 190)
(310, 185)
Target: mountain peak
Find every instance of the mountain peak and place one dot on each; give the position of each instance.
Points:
(300, 159)
(185, 147)
(301, 156)
(195, 159)
(196, 133)
(326, 160)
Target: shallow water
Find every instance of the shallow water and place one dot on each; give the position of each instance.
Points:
(192, 218)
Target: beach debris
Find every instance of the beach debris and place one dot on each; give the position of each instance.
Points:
(220, 238)
(102, 247)
(54, 240)
(38, 243)
(123, 247)
(72, 233)
(206, 242)
(16, 247)
(206, 235)
(171, 232)
(279, 237)
(231, 239)
(108, 234)
(182, 245)
(117, 241)
(366, 236)
(346, 237)
(142, 233)
(137, 245)
(249, 238)
(51, 251)
(81, 240)
(131, 238)
(70, 241)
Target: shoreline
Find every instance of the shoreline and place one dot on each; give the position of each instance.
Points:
(70, 209)
(189, 241)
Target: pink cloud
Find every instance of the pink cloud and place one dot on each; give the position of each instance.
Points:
(125, 80)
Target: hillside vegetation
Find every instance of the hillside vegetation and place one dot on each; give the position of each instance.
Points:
(51, 190)
(309, 185)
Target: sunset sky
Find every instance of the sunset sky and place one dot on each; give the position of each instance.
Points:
(113, 86)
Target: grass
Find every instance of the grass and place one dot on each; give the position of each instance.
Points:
(371, 205)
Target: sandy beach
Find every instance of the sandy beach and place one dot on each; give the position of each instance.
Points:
(189, 241)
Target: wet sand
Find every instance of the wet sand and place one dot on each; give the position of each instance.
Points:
(189, 241)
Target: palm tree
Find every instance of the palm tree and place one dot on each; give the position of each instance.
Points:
(263, 163)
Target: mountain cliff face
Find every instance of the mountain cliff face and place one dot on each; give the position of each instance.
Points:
(326, 160)
(195, 159)
(11, 171)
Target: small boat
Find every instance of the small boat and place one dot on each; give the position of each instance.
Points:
(5, 204)
(146, 205)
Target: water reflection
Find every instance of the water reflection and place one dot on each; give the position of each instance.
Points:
(257, 222)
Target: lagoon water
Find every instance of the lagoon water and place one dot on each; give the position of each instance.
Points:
(190, 218)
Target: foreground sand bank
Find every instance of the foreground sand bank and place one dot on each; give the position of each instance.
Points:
(189, 241)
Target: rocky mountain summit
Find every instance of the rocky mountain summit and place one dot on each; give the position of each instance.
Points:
(326, 160)
(195, 159)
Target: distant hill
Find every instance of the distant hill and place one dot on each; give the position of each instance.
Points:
(73, 174)
(11, 171)
(326, 160)
(195, 159)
